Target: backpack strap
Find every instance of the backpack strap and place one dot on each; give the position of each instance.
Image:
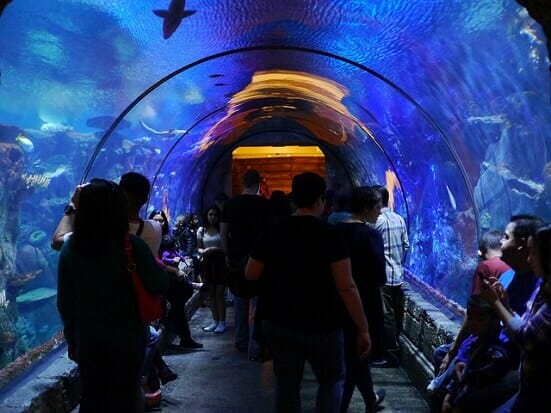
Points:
(140, 228)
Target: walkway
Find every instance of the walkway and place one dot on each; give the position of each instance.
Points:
(218, 379)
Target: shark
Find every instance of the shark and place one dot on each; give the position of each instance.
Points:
(173, 16)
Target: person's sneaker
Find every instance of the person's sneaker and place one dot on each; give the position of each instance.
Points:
(432, 386)
(220, 328)
(379, 397)
(381, 363)
(211, 327)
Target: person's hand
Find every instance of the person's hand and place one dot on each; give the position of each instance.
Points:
(177, 259)
(458, 369)
(444, 365)
(364, 345)
(491, 293)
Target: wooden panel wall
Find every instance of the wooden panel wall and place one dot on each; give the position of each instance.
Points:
(278, 171)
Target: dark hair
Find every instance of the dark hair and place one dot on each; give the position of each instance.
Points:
(384, 194)
(525, 225)
(221, 197)
(490, 240)
(101, 215)
(251, 178)
(342, 203)
(206, 216)
(164, 226)
(307, 187)
(136, 187)
(543, 238)
(363, 197)
(167, 243)
(476, 301)
(279, 205)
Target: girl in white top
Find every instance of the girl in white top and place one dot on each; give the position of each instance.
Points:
(209, 245)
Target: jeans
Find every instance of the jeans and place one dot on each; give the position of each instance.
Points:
(358, 373)
(243, 312)
(290, 350)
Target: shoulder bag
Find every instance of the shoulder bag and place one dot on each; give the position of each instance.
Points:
(150, 305)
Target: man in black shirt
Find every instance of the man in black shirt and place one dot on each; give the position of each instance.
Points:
(244, 217)
(304, 268)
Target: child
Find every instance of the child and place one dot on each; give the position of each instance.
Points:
(490, 268)
(482, 358)
(172, 257)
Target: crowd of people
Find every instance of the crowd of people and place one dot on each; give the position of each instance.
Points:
(499, 362)
(303, 286)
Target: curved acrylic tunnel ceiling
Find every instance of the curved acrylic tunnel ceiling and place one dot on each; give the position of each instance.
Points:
(434, 98)
(304, 98)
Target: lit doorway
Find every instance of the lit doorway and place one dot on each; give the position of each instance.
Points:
(277, 165)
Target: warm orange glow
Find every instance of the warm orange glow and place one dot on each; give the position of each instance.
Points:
(248, 152)
(314, 102)
(392, 183)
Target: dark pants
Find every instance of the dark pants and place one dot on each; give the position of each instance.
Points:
(357, 373)
(110, 373)
(393, 298)
(179, 291)
(290, 350)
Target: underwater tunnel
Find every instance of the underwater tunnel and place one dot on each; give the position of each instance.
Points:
(445, 102)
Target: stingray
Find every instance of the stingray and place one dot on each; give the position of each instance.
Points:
(104, 122)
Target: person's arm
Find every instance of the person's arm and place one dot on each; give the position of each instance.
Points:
(66, 303)
(346, 287)
(64, 227)
(154, 277)
(462, 334)
(225, 235)
(66, 224)
(200, 244)
(492, 295)
(405, 243)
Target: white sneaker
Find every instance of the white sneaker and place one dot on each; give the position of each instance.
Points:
(211, 327)
(220, 328)
(432, 386)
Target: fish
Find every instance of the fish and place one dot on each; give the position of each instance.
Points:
(25, 143)
(168, 133)
(452, 198)
(60, 170)
(55, 127)
(173, 16)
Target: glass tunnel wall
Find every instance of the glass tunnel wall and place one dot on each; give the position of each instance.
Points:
(455, 121)
(425, 176)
